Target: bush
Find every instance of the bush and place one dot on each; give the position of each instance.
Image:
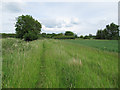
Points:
(30, 36)
(69, 33)
(4, 35)
(86, 37)
(81, 36)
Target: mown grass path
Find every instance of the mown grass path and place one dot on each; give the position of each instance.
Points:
(42, 79)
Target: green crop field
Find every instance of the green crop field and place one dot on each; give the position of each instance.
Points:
(107, 45)
(50, 63)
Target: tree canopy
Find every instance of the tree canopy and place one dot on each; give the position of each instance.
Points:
(69, 33)
(110, 32)
(27, 28)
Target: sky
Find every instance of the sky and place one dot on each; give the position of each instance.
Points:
(80, 17)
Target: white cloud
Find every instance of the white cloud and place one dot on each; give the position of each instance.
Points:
(81, 18)
(60, 22)
(61, 0)
(20, 1)
(67, 24)
(15, 6)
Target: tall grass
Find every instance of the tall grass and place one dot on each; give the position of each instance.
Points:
(21, 63)
(0, 63)
(57, 64)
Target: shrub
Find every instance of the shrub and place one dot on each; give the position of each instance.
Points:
(69, 33)
(86, 37)
(30, 36)
(81, 36)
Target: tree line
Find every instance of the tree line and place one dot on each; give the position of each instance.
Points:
(29, 29)
(111, 32)
(66, 35)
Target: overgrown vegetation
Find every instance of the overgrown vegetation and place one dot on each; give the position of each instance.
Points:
(58, 64)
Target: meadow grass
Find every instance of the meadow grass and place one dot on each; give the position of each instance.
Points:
(21, 63)
(57, 64)
(0, 63)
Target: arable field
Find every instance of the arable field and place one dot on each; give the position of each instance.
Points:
(52, 63)
(107, 45)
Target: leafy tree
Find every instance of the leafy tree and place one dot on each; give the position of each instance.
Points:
(81, 36)
(29, 36)
(75, 35)
(27, 28)
(104, 34)
(86, 37)
(110, 32)
(69, 33)
(113, 31)
(99, 34)
(48, 35)
(90, 35)
(44, 34)
(53, 34)
(60, 34)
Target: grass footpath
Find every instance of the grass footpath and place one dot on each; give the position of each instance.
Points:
(57, 64)
(41, 80)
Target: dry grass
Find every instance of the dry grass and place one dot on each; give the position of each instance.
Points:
(75, 61)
